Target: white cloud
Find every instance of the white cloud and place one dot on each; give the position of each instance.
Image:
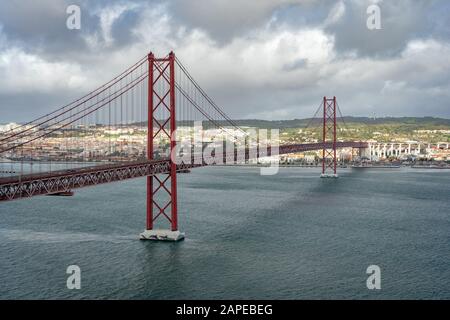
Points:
(336, 13)
(22, 72)
(258, 59)
(270, 71)
(108, 16)
(225, 18)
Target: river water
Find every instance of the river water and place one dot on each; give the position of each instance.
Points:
(288, 236)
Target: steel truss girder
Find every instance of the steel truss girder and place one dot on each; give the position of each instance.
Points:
(59, 181)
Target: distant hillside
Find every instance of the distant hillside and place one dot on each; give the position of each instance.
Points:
(407, 122)
(426, 122)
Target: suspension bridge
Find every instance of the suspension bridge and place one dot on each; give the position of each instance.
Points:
(133, 126)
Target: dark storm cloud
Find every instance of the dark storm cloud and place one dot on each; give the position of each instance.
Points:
(286, 53)
(401, 21)
(223, 19)
(39, 26)
(121, 29)
(35, 103)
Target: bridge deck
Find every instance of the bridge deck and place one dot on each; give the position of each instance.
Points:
(35, 184)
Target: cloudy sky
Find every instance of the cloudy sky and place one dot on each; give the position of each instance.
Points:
(267, 59)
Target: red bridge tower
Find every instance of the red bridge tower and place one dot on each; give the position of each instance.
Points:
(329, 159)
(161, 189)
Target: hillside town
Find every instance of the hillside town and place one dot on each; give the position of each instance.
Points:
(124, 142)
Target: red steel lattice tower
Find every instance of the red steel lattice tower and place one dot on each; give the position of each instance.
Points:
(161, 189)
(329, 159)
